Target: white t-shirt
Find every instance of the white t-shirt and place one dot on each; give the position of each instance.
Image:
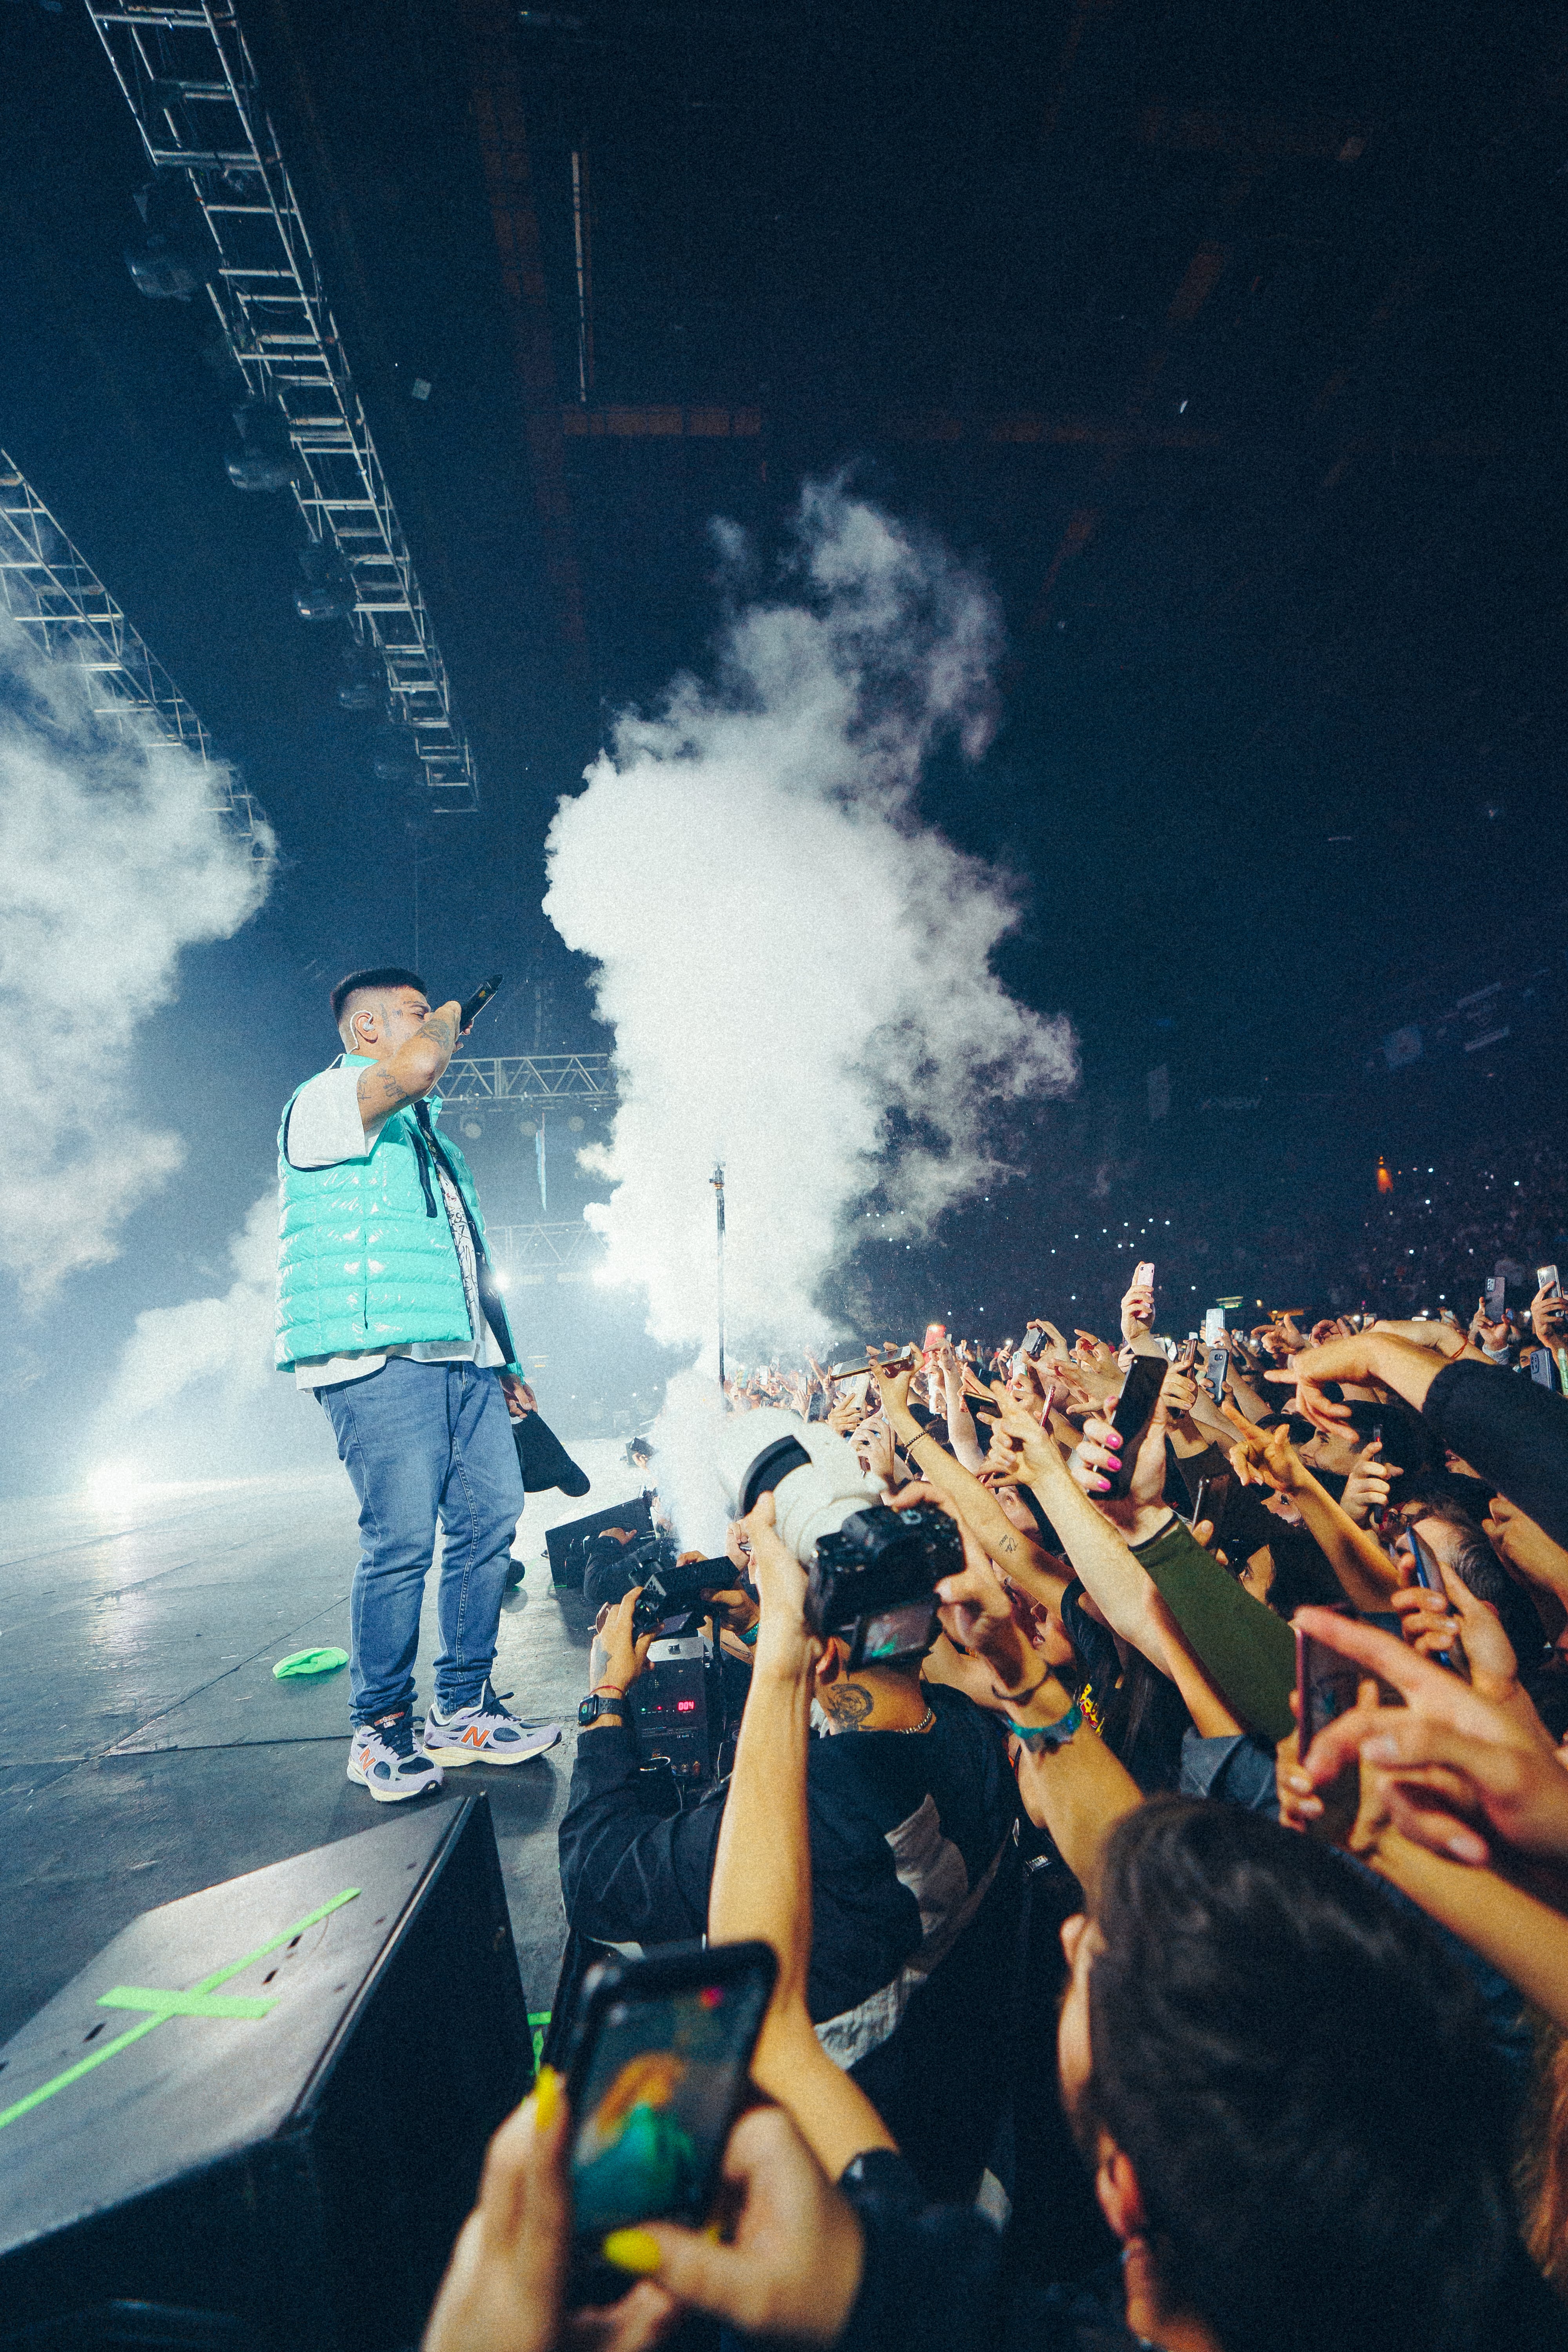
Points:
(324, 1129)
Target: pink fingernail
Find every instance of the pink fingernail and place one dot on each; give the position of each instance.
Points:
(1102, 1486)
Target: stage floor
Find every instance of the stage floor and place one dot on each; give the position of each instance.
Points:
(149, 1752)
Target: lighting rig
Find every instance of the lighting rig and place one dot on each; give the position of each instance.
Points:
(51, 589)
(192, 85)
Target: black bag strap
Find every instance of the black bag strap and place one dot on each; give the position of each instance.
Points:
(489, 1288)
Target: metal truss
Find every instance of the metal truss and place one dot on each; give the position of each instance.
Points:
(582, 1080)
(534, 1253)
(191, 83)
(53, 592)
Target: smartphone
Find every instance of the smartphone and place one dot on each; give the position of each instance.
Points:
(1213, 1325)
(1034, 1344)
(1546, 1279)
(479, 999)
(1020, 1362)
(902, 1363)
(1139, 1395)
(1143, 1275)
(1217, 1363)
(1426, 1572)
(1326, 1686)
(661, 2049)
(935, 1338)
(1541, 1367)
(1496, 1297)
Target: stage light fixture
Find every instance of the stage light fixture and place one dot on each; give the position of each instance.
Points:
(269, 460)
(473, 1130)
(329, 592)
(161, 271)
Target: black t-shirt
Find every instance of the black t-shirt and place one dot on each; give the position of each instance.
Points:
(1146, 1729)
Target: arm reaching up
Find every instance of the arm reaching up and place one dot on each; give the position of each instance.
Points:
(762, 1871)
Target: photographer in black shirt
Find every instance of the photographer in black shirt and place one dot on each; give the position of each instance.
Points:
(916, 1884)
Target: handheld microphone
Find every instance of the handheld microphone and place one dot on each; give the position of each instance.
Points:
(479, 999)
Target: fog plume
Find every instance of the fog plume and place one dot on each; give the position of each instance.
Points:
(112, 859)
(797, 969)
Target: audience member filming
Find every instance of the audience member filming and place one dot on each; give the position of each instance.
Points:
(1131, 1846)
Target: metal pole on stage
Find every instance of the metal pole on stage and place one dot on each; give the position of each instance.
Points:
(717, 1180)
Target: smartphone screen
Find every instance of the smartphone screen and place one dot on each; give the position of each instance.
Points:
(657, 2082)
(1139, 1395)
(1213, 1325)
(1326, 1686)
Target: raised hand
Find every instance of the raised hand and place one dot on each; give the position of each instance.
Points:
(1366, 1488)
(1459, 1764)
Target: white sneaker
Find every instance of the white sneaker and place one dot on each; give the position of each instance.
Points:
(486, 1734)
(383, 1758)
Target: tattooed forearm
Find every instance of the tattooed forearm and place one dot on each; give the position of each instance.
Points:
(848, 1703)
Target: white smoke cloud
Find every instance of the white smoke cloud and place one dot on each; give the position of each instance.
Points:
(112, 859)
(227, 1338)
(789, 957)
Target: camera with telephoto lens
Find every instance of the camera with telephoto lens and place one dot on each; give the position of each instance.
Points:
(871, 1572)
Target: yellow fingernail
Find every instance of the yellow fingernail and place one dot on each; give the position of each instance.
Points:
(546, 2099)
(632, 2250)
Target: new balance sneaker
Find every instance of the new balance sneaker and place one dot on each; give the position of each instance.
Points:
(487, 1733)
(383, 1758)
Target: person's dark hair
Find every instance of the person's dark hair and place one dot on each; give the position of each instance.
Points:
(1478, 1566)
(381, 975)
(1302, 2078)
(1302, 1575)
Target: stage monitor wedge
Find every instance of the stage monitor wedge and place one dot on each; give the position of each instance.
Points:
(303, 2067)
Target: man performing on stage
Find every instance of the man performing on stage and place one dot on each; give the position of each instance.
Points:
(388, 1308)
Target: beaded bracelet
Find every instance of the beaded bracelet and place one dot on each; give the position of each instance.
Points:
(1036, 1736)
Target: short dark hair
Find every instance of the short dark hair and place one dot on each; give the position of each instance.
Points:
(381, 975)
(1301, 2077)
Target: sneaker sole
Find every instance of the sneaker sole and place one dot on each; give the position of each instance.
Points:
(394, 1796)
(456, 1759)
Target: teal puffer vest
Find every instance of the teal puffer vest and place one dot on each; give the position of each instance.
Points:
(362, 1264)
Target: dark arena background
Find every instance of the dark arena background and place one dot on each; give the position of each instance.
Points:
(394, 394)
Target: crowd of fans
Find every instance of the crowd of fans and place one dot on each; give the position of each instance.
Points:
(1117, 2004)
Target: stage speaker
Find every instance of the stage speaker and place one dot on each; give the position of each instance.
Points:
(257, 2120)
(568, 1545)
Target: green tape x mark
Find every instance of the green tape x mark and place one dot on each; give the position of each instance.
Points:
(198, 2003)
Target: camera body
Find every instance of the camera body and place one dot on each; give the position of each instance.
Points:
(871, 1581)
(678, 1710)
(870, 1571)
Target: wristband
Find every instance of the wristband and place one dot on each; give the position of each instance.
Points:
(1036, 1736)
(614, 1690)
(749, 1636)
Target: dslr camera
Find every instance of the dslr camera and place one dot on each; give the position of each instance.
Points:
(871, 1572)
(679, 1719)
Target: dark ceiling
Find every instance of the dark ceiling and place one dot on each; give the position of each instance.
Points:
(1227, 340)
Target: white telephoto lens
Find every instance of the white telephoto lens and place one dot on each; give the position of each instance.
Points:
(812, 1499)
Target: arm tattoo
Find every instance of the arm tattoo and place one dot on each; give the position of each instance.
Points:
(848, 1703)
(440, 1033)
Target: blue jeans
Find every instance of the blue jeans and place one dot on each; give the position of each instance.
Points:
(422, 1442)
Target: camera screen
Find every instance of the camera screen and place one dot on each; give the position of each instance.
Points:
(656, 2107)
(895, 1632)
